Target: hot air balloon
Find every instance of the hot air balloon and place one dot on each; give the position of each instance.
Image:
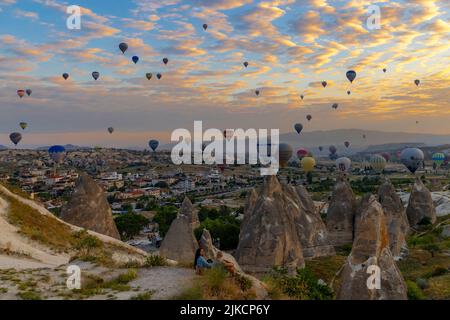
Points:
(377, 162)
(343, 164)
(324, 84)
(153, 144)
(159, 76)
(205, 26)
(23, 125)
(309, 117)
(384, 70)
(351, 75)
(29, 92)
(285, 153)
(320, 148)
(412, 158)
(298, 127)
(308, 164)
(135, 59)
(302, 96)
(348, 92)
(15, 137)
(228, 134)
(417, 121)
(110, 129)
(332, 149)
(347, 144)
(246, 64)
(438, 158)
(335, 106)
(417, 82)
(95, 75)
(301, 153)
(364, 136)
(257, 92)
(20, 93)
(165, 60)
(65, 76)
(148, 76)
(386, 156)
(123, 47)
(57, 153)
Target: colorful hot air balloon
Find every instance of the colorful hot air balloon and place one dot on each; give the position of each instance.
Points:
(335, 106)
(153, 144)
(148, 75)
(301, 153)
(165, 60)
(135, 59)
(298, 127)
(65, 76)
(23, 125)
(324, 84)
(123, 47)
(15, 137)
(246, 64)
(417, 82)
(377, 162)
(285, 153)
(20, 93)
(95, 75)
(205, 26)
(347, 144)
(412, 158)
(110, 130)
(309, 117)
(308, 164)
(29, 92)
(57, 153)
(351, 75)
(438, 158)
(159, 76)
(343, 164)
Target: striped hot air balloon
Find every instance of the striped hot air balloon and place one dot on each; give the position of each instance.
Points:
(438, 158)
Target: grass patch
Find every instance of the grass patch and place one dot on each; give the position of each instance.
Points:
(439, 288)
(3, 290)
(155, 261)
(29, 295)
(143, 296)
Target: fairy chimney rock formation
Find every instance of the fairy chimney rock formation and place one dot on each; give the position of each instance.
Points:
(420, 206)
(88, 208)
(180, 244)
(370, 254)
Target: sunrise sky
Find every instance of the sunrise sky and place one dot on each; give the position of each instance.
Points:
(291, 47)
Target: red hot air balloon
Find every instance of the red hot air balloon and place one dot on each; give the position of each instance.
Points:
(20, 93)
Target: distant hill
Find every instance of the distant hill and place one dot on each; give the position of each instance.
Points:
(3, 147)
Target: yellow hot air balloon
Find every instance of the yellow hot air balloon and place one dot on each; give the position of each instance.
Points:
(308, 164)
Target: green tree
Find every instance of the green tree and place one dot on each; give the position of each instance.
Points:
(164, 217)
(130, 224)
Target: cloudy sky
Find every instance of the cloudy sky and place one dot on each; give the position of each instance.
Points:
(291, 46)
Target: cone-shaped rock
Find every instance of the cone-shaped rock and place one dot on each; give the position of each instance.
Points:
(396, 220)
(420, 205)
(312, 230)
(268, 234)
(371, 251)
(341, 213)
(88, 208)
(207, 245)
(179, 243)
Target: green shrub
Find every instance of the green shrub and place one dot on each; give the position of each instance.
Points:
(130, 224)
(155, 261)
(29, 295)
(143, 296)
(414, 292)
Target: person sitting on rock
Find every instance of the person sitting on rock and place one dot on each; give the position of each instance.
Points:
(220, 261)
(200, 262)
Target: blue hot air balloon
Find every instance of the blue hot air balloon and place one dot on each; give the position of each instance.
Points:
(351, 75)
(57, 153)
(153, 144)
(135, 59)
(15, 137)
